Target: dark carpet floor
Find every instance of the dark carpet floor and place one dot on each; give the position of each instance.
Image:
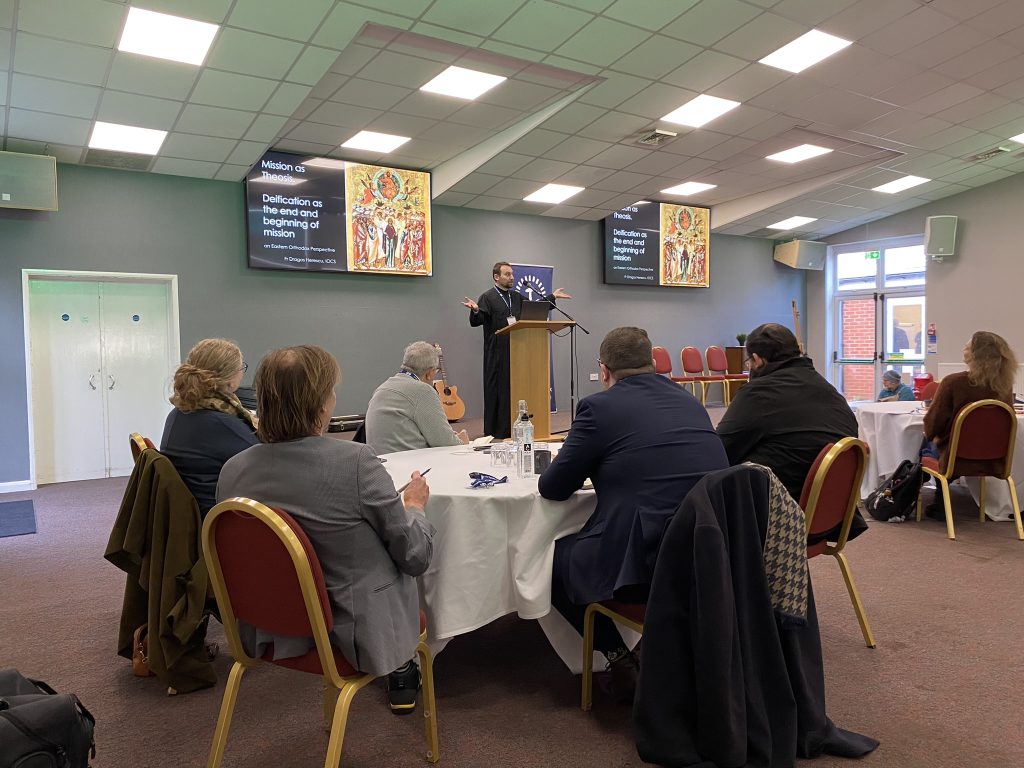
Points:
(942, 689)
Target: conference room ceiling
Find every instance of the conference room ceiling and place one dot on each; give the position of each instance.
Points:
(925, 87)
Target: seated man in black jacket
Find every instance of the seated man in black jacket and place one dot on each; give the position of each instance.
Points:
(644, 441)
(786, 413)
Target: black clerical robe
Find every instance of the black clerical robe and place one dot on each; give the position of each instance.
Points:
(496, 306)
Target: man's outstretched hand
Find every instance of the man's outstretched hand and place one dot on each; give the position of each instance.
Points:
(468, 303)
(561, 294)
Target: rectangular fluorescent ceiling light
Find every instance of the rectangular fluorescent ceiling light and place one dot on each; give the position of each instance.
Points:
(791, 223)
(1019, 138)
(642, 202)
(166, 37)
(796, 154)
(900, 184)
(553, 193)
(126, 138)
(806, 50)
(375, 142)
(700, 110)
(689, 188)
(462, 83)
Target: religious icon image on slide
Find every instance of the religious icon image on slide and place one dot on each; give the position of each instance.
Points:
(388, 211)
(684, 237)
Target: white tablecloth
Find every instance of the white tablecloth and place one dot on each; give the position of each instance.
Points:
(894, 431)
(494, 546)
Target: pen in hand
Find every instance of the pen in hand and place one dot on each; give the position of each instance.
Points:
(424, 472)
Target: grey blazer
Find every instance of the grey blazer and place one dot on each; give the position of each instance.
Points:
(370, 546)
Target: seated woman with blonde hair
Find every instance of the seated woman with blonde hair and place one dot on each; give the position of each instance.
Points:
(208, 424)
(991, 372)
(371, 542)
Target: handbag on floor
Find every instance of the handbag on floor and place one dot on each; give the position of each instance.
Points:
(40, 728)
(896, 497)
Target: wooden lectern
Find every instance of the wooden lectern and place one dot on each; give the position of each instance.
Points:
(530, 370)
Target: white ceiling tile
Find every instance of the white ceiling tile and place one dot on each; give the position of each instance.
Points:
(572, 118)
(247, 153)
(907, 90)
(485, 115)
(907, 31)
(134, 109)
(992, 53)
(938, 141)
(212, 11)
(614, 126)
(614, 90)
(353, 59)
(7, 13)
(427, 105)
(194, 168)
(658, 56)
(656, 101)
(602, 42)
(93, 22)
(451, 197)
(944, 98)
(584, 175)
(236, 50)
(505, 164)
(311, 65)
(488, 203)
(705, 71)
(542, 25)
(60, 60)
(694, 143)
(543, 170)
(232, 172)
(810, 11)
(151, 77)
(399, 69)
(303, 147)
(298, 23)
(186, 146)
(787, 95)
(518, 52)
(365, 93)
(710, 21)
(346, 20)
(401, 125)
(844, 110)
(622, 181)
(41, 126)
(516, 189)
(516, 94)
(866, 16)
(561, 62)
(213, 121)
(318, 133)
(619, 157)
(345, 115)
(537, 142)
(231, 90)
(756, 39)
(265, 128)
(577, 149)
(943, 47)
(476, 183)
(287, 99)
(455, 134)
(979, 106)
(3, 87)
(998, 19)
(44, 95)
(749, 82)
(476, 18)
(862, 70)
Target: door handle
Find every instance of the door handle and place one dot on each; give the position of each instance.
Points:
(112, 381)
(92, 381)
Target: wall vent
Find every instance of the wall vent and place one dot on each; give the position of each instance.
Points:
(990, 153)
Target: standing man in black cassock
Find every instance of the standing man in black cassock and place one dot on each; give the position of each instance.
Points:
(496, 308)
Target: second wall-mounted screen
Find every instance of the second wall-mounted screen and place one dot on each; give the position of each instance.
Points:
(658, 244)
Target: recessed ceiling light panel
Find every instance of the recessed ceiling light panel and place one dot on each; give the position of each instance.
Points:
(791, 223)
(1018, 138)
(688, 189)
(126, 138)
(900, 184)
(798, 154)
(553, 193)
(462, 83)
(166, 37)
(375, 142)
(805, 51)
(700, 110)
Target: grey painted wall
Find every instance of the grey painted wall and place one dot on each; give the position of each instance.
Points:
(979, 288)
(129, 222)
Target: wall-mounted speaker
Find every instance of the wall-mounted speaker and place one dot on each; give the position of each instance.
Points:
(28, 181)
(802, 254)
(940, 236)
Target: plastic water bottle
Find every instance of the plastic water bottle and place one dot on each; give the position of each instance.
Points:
(522, 433)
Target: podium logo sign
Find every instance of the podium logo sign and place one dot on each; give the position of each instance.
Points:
(534, 282)
(531, 287)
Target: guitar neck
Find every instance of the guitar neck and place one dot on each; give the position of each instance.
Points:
(440, 366)
(796, 326)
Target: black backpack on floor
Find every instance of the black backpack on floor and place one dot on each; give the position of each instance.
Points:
(896, 497)
(40, 728)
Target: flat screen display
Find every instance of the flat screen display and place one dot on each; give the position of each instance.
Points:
(659, 244)
(318, 214)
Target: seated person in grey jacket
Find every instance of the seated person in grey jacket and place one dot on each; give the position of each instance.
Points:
(370, 545)
(405, 411)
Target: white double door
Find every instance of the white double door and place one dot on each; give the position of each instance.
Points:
(103, 356)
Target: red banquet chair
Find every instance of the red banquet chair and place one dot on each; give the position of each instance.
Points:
(693, 366)
(663, 366)
(829, 497)
(138, 444)
(719, 366)
(985, 430)
(928, 391)
(265, 572)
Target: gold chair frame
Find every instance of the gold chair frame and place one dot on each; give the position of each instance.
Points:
(137, 443)
(943, 478)
(836, 550)
(588, 646)
(339, 690)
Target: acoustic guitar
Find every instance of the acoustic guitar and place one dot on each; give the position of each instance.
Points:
(796, 327)
(452, 405)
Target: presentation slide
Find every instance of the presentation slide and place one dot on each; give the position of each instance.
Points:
(296, 213)
(658, 244)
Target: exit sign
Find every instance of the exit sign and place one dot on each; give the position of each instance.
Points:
(872, 254)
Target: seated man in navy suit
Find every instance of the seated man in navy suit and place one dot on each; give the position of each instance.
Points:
(644, 442)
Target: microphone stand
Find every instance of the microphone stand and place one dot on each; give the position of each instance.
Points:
(572, 355)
